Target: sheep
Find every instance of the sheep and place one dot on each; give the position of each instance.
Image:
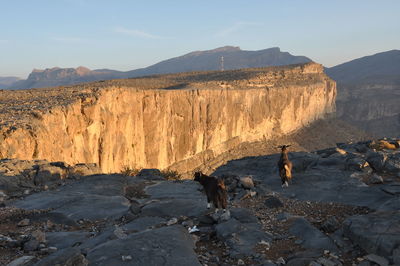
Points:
(285, 166)
(215, 190)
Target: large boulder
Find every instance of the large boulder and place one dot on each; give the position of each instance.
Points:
(311, 237)
(83, 169)
(49, 174)
(376, 160)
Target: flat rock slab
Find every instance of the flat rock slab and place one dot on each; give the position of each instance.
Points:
(311, 236)
(176, 190)
(241, 238)
(62, 240)
(392, 189)
(175, 208)
(76, 205)
(164, 246)
(68, 257)
(92, 198)
(143, 223)
(377, 233)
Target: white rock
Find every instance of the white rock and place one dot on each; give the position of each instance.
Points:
(172, 221)
(126, 258)
(120, 234)
(281, 261)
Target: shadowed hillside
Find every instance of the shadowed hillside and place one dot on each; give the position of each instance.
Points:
(369, 93)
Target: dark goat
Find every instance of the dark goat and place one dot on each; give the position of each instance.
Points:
(215, 190)
(285, 166)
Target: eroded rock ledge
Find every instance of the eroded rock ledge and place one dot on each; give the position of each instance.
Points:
(175, 121)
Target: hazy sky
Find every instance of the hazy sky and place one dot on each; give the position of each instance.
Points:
(125, 35)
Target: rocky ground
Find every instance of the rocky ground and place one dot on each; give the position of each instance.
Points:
(342, 208)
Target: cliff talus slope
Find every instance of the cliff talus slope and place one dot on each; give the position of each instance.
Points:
(171, 121)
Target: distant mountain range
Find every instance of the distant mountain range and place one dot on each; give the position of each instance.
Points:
(233, 58)
(7, 81)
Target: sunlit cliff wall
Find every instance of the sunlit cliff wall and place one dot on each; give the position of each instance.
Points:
(179, 126)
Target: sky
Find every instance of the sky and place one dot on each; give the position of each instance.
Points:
(126, 35)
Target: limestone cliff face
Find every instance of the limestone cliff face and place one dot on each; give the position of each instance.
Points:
(174, 121)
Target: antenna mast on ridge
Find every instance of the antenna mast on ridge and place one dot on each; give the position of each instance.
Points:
(222, 63)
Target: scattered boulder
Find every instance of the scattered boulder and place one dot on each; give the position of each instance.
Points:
(221, 216)
(49, 175)
(83, 169)
(135, 208)
(330, 225)
(247, 182)
(31, 245)
(39, 236)
(24, 222)
(376, 160)
(151, 174)
(392, 163)
(356, 164)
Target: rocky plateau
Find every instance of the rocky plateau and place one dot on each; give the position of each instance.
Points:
(342, 208)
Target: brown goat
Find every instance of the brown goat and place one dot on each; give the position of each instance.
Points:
(285, 166)
(215, 190)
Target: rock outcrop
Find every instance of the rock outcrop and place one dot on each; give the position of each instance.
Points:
(173, 121)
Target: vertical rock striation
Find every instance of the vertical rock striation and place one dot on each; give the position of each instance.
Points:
(172, 121)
